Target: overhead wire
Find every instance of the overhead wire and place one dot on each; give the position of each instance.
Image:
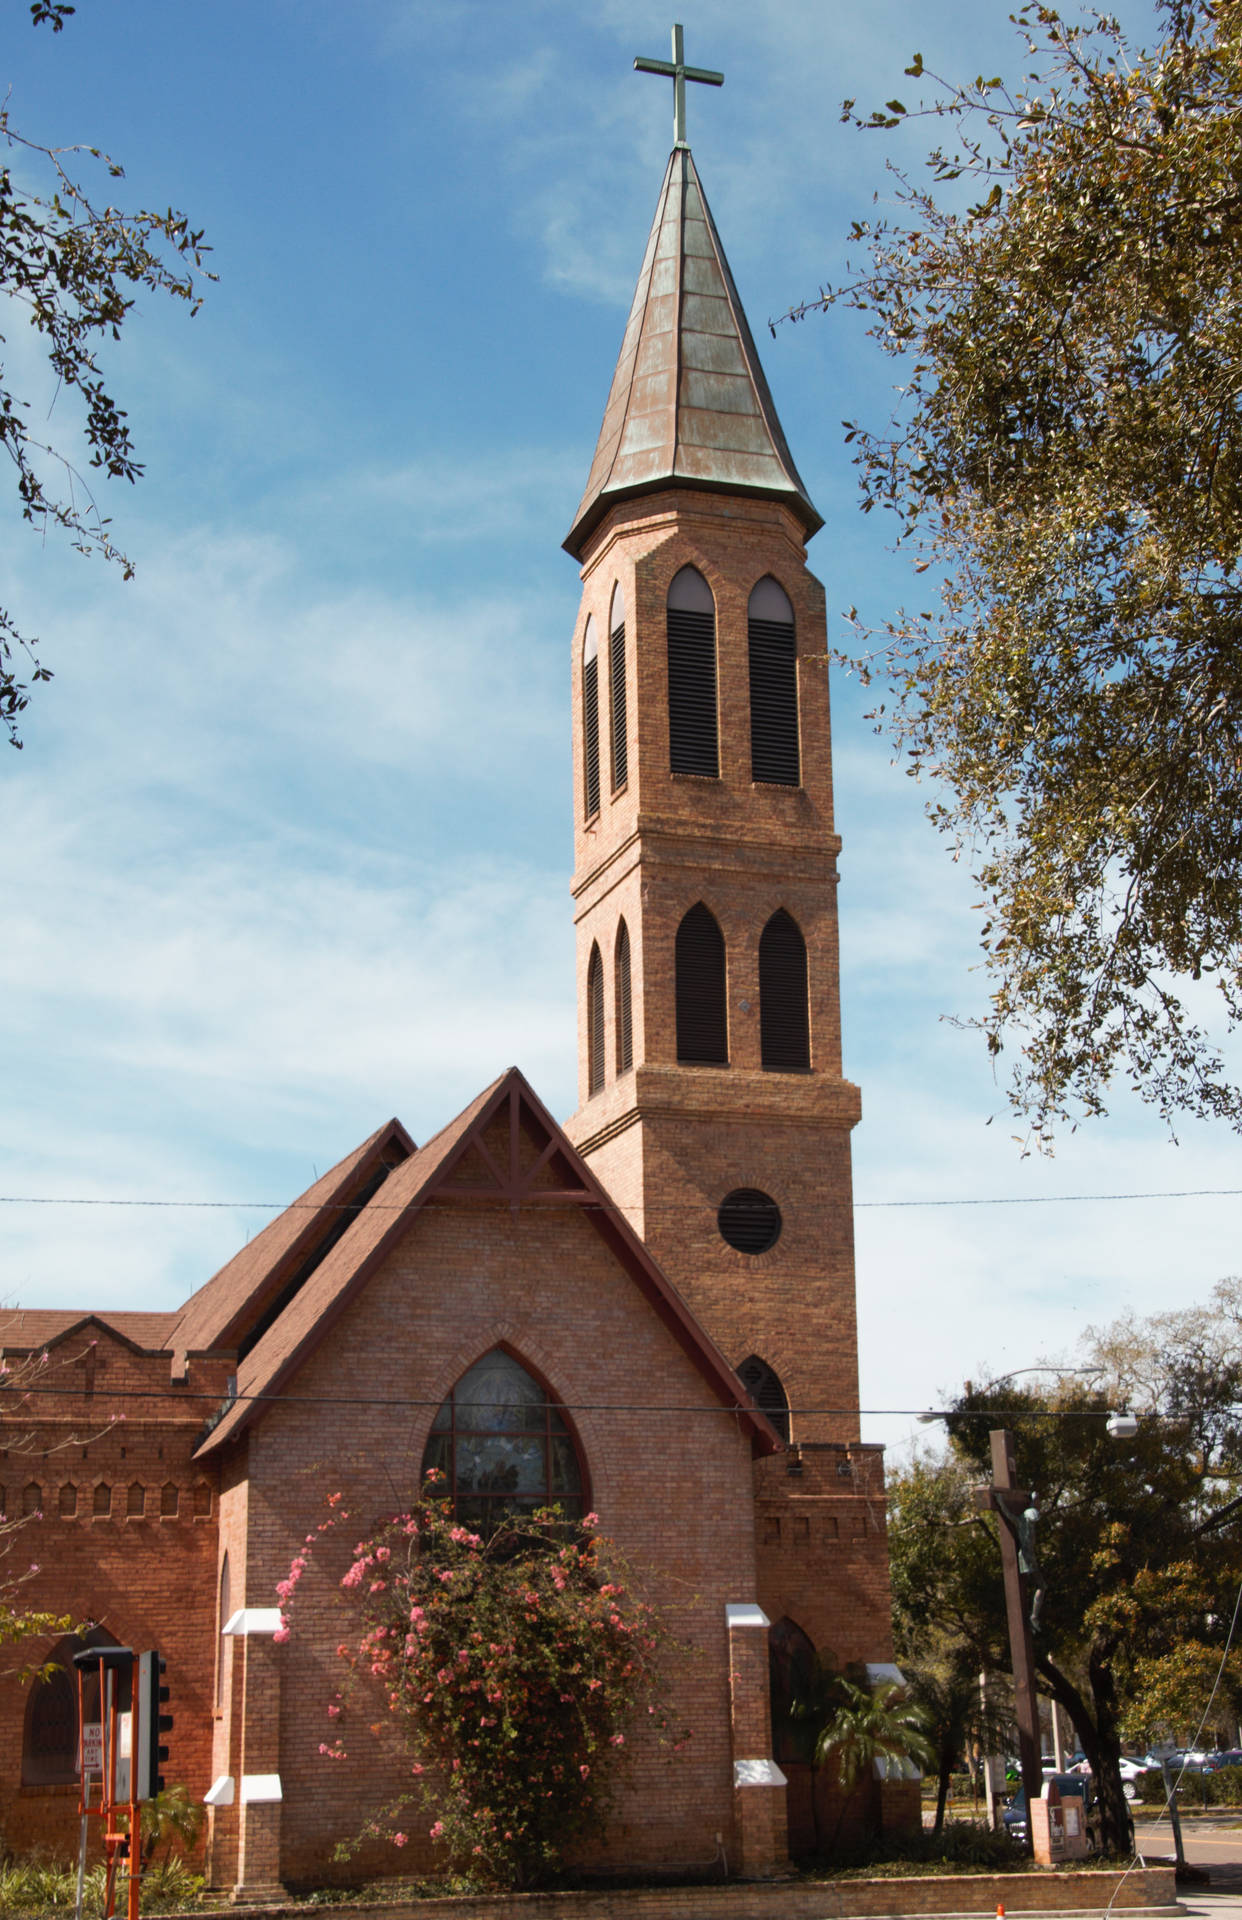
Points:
(386, 1206)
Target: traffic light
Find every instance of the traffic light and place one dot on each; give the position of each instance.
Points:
(151, 1725)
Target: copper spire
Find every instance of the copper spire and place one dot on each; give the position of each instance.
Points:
(689, 405)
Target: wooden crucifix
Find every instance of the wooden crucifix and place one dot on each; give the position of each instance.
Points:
(1010, 1502)
(678, 72)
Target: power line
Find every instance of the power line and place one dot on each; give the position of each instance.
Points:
(384, 1206)
(213, 1394)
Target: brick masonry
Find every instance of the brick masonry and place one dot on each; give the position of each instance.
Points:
(670, 1140)
(1146, 1890)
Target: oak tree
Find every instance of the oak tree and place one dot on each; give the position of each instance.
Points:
(70, 262)
(1061, 294)
(1139, 1542)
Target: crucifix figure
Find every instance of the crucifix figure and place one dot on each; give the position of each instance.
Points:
(1012, 1505)
(678, 72)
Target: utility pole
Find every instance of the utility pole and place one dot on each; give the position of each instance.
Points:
(1005, 1498)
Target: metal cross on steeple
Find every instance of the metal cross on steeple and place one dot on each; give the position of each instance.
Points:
(678, 72)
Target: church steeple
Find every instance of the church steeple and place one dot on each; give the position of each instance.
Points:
(713, 1105)
(689, 405)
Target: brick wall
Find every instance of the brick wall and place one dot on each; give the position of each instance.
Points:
(126, 1538)
(670, 1140)
(1059, 1891)
(673, 1489)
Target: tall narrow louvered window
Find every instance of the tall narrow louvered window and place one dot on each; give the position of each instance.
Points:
(590, 720)
(625, 1010)
(784, 1017)
(692, 740)
(595, 1022)
(616, 689)
(702, 1019)
(773, 687)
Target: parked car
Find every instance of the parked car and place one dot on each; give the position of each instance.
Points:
(1015, 1813)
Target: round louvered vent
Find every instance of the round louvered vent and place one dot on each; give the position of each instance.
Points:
(749, 1220)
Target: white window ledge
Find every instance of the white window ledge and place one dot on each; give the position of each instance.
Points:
(757, 1773)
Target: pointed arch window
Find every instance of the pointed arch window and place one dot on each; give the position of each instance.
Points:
(784, 1014)
(791, 1671)
(595, 1022)
(773, 687)
(617, 707)
(702, 1009)
(590, 719)
(50, 1733)
(692, 727)
(224, 1643)
(763, 1385)
(625, 1007)
(502, 1445)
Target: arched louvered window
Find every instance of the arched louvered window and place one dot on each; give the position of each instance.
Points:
(595, 1022)
(502, 1445)
(692, 738)
(763, 1385)
(616, 689)
(50, 1734)
(773, 687)
(625, 1006)
(791, 1674)
(784, 1017)
(702, 1016)
(590, 719)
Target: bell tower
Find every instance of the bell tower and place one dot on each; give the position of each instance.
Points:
(712, 1102)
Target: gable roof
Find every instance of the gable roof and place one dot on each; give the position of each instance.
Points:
(228, 1305)
(689, 404)
(457, 1164)
(23, 1330)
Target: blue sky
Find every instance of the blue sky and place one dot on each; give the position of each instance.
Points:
(288, 848)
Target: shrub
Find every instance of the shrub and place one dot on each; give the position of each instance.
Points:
(962, 1846)
(515, 1665)
(37, 1889)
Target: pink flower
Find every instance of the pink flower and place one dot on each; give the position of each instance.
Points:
(437, 1830)
(617, 1740)
(584, 1770)
(399, 1839)
(334, 1712)
(281, 1635)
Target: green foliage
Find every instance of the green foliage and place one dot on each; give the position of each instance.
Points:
(1136, 1543)
(852, 1726)
(38, 1889)
(1066, 457)
(961, 1846)
(516, 1665)
(872, 1724)
(173, 1817)
(70, 265)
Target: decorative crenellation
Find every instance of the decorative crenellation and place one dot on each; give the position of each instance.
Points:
(108, 1500)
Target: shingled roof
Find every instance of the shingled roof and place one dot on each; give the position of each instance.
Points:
(456, 1164)
(689, 405)
(228, 1306)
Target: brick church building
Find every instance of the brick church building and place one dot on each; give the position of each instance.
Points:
(666, 1280)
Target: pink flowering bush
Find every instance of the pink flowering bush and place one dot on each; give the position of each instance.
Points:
(515, 1663)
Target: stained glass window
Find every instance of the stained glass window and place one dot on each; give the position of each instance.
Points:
(502, 1445)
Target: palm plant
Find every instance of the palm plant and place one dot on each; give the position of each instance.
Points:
(869, 1724)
